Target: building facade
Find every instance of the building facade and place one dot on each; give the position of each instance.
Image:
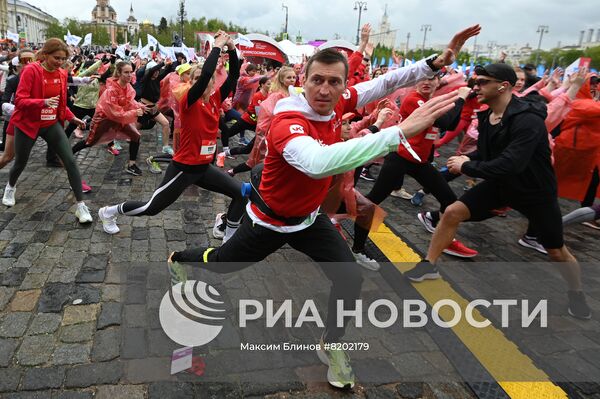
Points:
(384, 36)
(31, 21)
(3, 17)
(105, 16)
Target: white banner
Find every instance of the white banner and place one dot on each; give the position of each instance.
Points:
(87, 40)
(243, 41)
(12, 36)
(152, 41)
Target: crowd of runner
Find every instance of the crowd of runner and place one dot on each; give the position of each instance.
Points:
(316, 129)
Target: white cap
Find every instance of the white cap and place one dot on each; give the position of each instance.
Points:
(15, 61)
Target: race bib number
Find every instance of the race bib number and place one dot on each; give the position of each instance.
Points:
(48, 114)
(432, 136)
(208, 149)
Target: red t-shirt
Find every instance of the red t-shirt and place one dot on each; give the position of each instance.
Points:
(285, 189)
(250, 114)
(422, 143)
(468, 111)
(52, 88)
(199, 129)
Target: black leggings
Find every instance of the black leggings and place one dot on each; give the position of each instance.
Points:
(245, 149)
(238, 127)
(78, 112)
(391, 177)
(57, 140)
(176, 181)
(590, 195)
(321, 242)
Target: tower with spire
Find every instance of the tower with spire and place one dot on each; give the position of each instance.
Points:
(132, 24)
(384, 36)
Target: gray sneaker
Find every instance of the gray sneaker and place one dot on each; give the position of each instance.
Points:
(154, 167)
(176, 271)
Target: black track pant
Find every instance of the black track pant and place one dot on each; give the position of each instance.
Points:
(80, 113)
(391, 177)
(176, 181)
(236, 128)
(321, 241)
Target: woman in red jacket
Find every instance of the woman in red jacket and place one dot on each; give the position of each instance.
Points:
(41, 110)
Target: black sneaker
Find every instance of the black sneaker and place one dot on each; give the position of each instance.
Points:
(424, 270)
(366, 175)
(134, 170)
(578, 306)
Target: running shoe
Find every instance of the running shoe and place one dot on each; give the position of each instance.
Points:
(244, 141)
(133, 170)
(78, 133)
(176, 271)
(230, 172)
(117, 145)
(112, 150)
(168, 150)
(83, 213)
(459, 249)
(436, 153)
(339, 373)
(84, 187)
(221, 159)
(366, 262)
(366, 175)
(153, 166)
(109, 224)
(402, 193)
(426, 221)
(423, 270)
(417, 199)
(9, 196)
(593, 224)
(219, 227)
(532, 242)
(578, 306)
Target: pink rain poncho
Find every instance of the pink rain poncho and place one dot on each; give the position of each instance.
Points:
(116, 114)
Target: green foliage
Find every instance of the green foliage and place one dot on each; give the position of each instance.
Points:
(162, 26)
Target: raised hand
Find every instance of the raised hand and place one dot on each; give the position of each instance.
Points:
(365, 33)
(455, 45)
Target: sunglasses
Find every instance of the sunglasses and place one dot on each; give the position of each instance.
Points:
(483, 82)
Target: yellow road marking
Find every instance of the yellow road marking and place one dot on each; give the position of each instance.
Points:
(501, 357)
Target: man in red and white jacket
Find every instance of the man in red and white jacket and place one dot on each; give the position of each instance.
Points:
(304, 151)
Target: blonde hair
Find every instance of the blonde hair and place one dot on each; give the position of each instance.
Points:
(277, 83)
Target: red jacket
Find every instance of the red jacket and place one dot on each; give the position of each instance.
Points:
(29, 101)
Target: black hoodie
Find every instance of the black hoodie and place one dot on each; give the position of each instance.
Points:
(516, 154)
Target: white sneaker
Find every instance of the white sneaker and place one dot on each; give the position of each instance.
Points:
(218, 230)
(366, 262)
(83, 214)
(9, 196)
(109, 224)
(401, 193)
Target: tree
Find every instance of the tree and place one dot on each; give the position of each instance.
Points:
(162, 26)
(55, 29)
(181, 14)
(594, 54)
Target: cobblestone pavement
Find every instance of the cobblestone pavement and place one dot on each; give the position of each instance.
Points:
(79, 308)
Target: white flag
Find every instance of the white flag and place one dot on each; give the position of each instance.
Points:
(139, 44)
(72, 40)
(144, 52)
(189, 53)
(87, 40)
(152, 41)
(120, 51)
(12, 36)
(243, 41)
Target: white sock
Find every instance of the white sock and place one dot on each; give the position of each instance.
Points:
(230, 229)
(110, 211)
(80, 203)
(226, 150)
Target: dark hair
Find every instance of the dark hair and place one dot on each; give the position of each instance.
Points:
(328, 56)
(119, 67)
(251, 67)
(263, 80)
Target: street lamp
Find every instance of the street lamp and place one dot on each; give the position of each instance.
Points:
(360, 6)
(285, 30)
(541, 30)
(491, 46)
(424, 29)
(407, 39)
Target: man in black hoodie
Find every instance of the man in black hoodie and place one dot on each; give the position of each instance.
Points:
(513, 158)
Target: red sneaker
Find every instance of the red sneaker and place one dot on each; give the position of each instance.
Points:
(84, 187)
(221, 159)
(459, 249)
(112, 150)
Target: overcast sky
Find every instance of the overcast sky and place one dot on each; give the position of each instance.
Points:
(504, 21)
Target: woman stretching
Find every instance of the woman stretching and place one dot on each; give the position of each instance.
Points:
(191, 164)
(115, 116)
(41, 110)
